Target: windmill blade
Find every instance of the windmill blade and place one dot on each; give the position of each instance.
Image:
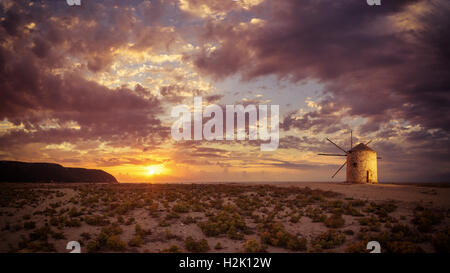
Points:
(351, 139)
(336, 145)
(368, 142)
(332, 154)
(339, 169)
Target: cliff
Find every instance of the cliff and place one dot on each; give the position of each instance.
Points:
(14, 171)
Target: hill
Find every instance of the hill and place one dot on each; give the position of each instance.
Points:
(15, 171)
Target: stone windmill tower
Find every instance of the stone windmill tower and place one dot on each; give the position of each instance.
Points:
(361, 163)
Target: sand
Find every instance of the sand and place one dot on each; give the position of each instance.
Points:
(409, 193)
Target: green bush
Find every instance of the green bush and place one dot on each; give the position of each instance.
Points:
(358, 247)
(36, 246)
(96, 220)
(274, 234)
(425, 219)
(37, 241)
(403, 247)
(230, 223)
(218, 246)
(136, 241)
(93, 246)
(172, 215)
(29, 225)
(58, 235)
(74, 212)
(181, 207)
(372, 222)
(163, 223)
(253, 246)
(62, 221)
(295, 218)
(441, 241)
(141, 231)
(115, 243)
(104, 236)
(329, 239)
(196, 246)
(349, 232)
(188, 220)
(315, 214)
(382, 210)
(73, 222)
(334, 221)
(169, 235)
(400, 239)
(350, 210)
(400, 232)
(85, 236)
(172, 249)
(357, 203)
(129, 221)
(40, 234)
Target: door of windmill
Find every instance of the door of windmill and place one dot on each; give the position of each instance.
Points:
(369, 176)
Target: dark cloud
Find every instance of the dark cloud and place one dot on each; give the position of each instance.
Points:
(38, 40)
(177, 93)
(388, 65)
(62, 107)
(327, 119)
(213, 98)
(369, 65)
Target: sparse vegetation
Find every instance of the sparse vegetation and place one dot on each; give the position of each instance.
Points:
(441, 241)
(107, 238)
(255, 218)
(425, 219)
(371, 222)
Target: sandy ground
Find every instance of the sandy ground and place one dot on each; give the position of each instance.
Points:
(437, 196)
(62, 197)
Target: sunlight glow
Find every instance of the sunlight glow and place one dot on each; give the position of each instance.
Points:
(154, 169)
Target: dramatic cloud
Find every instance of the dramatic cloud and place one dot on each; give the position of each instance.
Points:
(43, 91)
(375, 68)
(94, 85)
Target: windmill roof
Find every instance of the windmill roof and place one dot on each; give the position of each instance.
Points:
(361, 147)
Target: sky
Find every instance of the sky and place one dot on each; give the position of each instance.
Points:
(93, 85)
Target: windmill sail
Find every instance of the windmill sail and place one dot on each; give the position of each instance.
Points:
(339, 169)
(337, 146)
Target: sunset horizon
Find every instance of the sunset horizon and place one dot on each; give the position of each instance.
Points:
(93, 86)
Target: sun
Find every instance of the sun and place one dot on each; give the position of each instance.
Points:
(154, 169)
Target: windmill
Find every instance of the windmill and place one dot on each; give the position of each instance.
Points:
(361, 162)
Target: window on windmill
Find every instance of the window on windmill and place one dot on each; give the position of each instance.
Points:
(354, 164)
